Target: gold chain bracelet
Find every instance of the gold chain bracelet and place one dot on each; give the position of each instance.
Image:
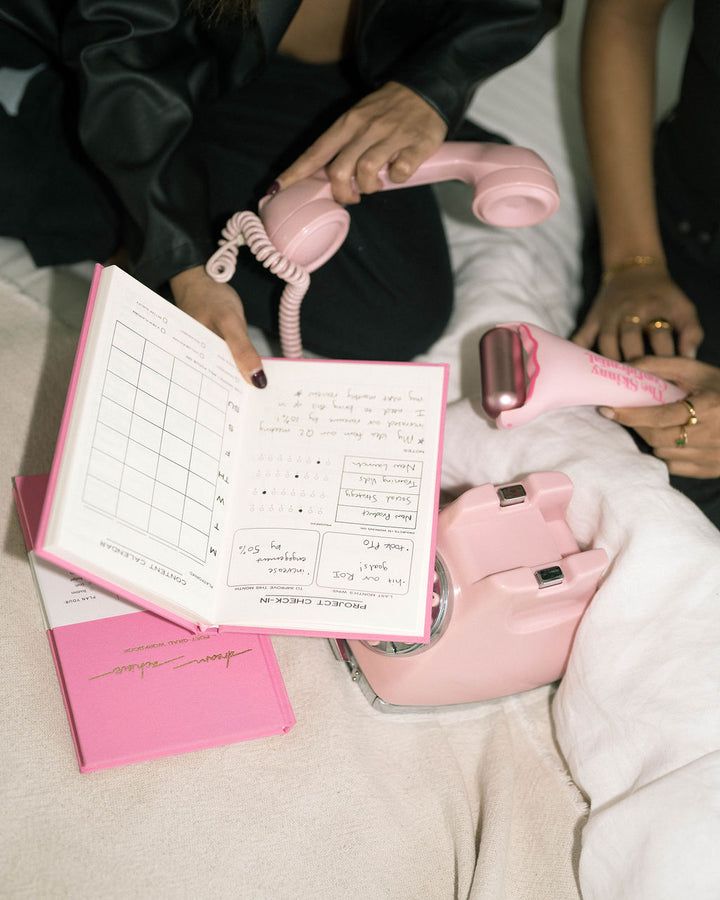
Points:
(630, 263)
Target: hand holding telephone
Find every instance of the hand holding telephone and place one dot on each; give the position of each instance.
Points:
(512, 186)
(301, 227)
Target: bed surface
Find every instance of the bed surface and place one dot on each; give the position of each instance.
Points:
(350, 803)
(487, 802)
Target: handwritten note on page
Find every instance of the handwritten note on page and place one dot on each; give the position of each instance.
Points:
(335, 504)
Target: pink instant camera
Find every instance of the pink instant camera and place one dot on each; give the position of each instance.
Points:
(511, 586)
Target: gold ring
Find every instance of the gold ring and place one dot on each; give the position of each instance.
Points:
(693, 420)
(659, 325)
(631, 320)
(683, 439)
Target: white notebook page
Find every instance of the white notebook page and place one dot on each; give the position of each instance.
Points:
(332, 521)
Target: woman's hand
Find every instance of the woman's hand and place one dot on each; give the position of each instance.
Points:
(625, 305)
(663, 426)
(219, 307)
(393, 126)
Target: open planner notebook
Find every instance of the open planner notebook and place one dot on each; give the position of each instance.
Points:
(307, 507)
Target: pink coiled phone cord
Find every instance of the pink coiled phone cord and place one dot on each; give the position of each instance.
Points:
(246, 228)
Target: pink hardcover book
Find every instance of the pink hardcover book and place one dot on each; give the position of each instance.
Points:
(136, 686)
(309, 507)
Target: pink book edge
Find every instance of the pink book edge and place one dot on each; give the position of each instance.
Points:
(66, 701)
(278, 684)
(295, 632)
(436, 511)
(67, 410)
(22, 512)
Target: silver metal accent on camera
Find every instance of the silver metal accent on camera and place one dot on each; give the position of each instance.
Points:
(511, 494)
(439, 623)
(549, 576)
(343, 653)
(340, 649)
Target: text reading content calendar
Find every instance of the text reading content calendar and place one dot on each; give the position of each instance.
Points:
(309, 506)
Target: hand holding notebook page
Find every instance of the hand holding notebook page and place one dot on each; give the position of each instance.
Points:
(308, 507)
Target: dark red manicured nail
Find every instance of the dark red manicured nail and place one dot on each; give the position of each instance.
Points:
(259, 379)
(273, 189)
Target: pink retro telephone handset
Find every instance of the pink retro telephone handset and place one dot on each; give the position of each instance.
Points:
(302, 226)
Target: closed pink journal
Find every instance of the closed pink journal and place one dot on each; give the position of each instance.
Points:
(137, 686)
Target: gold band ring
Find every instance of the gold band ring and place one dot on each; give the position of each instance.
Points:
(683, 439)
(631, 320)
(693, 416)
(659, 325)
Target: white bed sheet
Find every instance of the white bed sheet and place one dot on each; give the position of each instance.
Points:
(637, 715)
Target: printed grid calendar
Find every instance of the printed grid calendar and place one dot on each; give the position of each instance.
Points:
(157, 444)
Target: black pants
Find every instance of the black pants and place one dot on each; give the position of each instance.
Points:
(386, 294)
(55, 201)
(691, 240)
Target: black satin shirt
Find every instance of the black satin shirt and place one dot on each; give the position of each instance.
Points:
(145, 67)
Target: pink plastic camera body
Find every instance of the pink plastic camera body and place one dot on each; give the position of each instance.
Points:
(512, 187)
(511, 586)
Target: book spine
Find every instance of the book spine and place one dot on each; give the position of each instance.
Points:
(321, 633)
(436, 508)
(283, 701)
(22, 515)
(69, 402)
(66, 700)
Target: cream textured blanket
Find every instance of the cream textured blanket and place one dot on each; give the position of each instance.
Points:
(351, 803)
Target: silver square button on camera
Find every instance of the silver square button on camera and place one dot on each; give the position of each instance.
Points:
(549, 576)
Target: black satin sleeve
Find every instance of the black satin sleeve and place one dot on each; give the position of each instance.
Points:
(469, 41)
(143, 67)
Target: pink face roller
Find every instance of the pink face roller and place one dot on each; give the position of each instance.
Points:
(301, 227)
(527, 371)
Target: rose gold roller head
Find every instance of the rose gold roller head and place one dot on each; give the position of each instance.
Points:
(502, 368)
